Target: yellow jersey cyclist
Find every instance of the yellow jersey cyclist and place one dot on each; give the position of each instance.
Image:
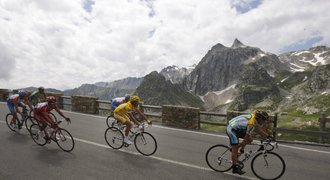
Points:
(123, 115)
(241, 127)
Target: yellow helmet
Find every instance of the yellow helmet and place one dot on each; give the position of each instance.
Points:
(135, 99)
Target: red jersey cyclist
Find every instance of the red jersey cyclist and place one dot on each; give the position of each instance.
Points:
(123, 115)
(42, 115)
(15, 101)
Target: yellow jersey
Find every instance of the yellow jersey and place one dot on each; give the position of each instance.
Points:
(123, 108)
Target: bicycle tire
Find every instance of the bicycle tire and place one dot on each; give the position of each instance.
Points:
(9, 117)
(218, 158)
(267, 160)
(114, 137)
(29, 121)
(145, 143)
(54, 117)
(108, 121)
(64, 139)
(35, 135)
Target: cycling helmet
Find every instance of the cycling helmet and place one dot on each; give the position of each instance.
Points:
(127, 97)
(51, 99)
(261, 115)
(21, 93)
(41, 89)
(135, 99)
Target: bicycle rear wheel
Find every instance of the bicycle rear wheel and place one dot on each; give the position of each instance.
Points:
(64, 140)
(145, 143)
(268, 165)
(37, 135)
(114, 137)
(218, 158)
(29, 121)
(109, 121)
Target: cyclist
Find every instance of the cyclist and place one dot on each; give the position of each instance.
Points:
(122, 114)
(118, 101)
(38, 96)
(17, 100)
(42, 115)
(241, 127)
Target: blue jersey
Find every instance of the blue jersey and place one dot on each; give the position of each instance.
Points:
(116, 102)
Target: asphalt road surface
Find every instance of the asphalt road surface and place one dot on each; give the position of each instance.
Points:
(180, 155)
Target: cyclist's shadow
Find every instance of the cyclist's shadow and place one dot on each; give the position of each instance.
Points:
(20, 137)
(52, 155)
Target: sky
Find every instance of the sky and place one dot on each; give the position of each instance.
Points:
(63, 44)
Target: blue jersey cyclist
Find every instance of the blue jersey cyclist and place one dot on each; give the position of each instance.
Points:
(241, 127)
(118, 101)
(17, 100)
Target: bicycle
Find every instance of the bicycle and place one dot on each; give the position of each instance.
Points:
(265, 164)
(61, 136)
(108, 119)
(144, 142)
(21, 118)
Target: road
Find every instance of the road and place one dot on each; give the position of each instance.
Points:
(180, 155)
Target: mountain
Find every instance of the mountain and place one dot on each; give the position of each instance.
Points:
(156, 90)
(126, 83)
(176, 74)
(219, 77)
(221, 67)
(305, 59)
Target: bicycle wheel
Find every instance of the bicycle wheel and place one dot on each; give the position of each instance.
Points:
(114, 137)
(37, 135)
(109, 122)
(11, 125)
(145, 143)
(268, 165)
(29, 121)
(218, 158)
(64, 139)
(53, 116)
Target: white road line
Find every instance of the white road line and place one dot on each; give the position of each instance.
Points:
(161, 159)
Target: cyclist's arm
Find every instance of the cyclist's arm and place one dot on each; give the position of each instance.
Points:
(133, 118)
(141, 114)
(60, 113)
(26, 100)
(261, 131)
(16, 110)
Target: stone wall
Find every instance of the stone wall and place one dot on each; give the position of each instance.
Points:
(84, 104)
(4, 93)
(181, 117)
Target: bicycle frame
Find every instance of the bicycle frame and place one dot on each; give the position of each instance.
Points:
(262, 147)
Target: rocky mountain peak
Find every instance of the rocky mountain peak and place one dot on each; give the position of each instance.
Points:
(237, 44)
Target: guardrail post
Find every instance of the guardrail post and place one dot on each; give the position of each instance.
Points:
(322, 126)
(275, 125)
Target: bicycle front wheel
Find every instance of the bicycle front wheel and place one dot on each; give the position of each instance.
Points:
(37, 135)
(114, 137)
(64, 140)
(268, 165)
(9, 122)
(218, 158)
(145, 143)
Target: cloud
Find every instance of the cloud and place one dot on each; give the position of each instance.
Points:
(7, 62)
(63, 44)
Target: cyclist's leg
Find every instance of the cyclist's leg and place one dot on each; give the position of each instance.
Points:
(124, 119)
(13, 111)
(234, 142)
